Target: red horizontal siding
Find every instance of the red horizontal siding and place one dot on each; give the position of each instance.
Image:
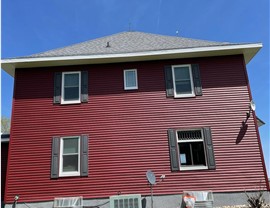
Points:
(128, 131)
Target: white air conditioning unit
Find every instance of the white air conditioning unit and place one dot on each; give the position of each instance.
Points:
(68, 202)
(204, 199)
(126, 201)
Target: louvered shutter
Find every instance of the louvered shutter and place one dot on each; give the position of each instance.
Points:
(209, 148)
(169, 81)
(57, 87)
(173, 150)
(196, 79)
(55, 157)
(84, 86)
(84, 155)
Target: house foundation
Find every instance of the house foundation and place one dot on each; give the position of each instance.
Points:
(236, 199)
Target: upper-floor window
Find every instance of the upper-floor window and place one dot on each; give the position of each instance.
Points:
(71, 87)
(183, 81)
(130, 79)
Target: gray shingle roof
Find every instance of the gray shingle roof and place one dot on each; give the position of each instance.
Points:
(128, 42)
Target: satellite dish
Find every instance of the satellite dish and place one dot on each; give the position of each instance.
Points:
(252, 105)
(151, 177)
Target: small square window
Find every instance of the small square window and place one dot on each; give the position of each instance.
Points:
(191, 149)
(70, 156)
(130, 79)
(71, 87)
(182, 81)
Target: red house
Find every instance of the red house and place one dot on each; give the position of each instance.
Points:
(91, 119)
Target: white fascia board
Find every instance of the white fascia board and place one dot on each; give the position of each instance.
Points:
(248, 50)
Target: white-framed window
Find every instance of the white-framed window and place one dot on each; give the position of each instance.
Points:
(71, 87)
(182, 81)
(192, 153)
(130, 79)
(69, 156)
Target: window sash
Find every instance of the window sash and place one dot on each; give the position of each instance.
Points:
(190, 142)
(184, 81)
(64, 170)
(130, 79)
(73, 88)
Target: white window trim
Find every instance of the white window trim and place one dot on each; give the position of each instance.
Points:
(192, 94)
(125, 82)
(194, 167)
(71, 173)
(199, 167)
(62, 90)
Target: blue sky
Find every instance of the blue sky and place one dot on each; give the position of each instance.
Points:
(32, 26)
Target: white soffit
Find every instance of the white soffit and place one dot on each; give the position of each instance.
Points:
(248, 50)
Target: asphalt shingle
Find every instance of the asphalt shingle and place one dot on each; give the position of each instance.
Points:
(128, 42)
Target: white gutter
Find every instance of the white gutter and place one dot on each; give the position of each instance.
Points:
(248, 50)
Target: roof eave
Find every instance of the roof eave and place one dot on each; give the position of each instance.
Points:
(248, 50)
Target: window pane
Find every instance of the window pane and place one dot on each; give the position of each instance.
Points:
(130, 79)
(181, 73)
(182, 80)
(70, 145)
(185, 153)
(198, 153)
(183, 87)
(71, 93)
(71, 80)
(70, 163)
(192, 153)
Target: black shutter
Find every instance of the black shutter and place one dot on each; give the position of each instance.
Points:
(84, 155)
(169, 81)
(57, 87)
(55, 157)
(84, 86)
(196, 79)
(209, 148)
(173, 150)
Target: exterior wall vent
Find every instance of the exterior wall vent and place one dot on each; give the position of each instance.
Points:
(126, 201)
(68, 202)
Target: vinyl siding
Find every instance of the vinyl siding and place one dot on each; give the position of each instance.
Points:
(128, 131)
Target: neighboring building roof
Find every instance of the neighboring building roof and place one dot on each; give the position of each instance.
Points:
(259, 122)
(130, 46)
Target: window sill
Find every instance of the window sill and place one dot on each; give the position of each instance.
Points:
(70, 174)
(184, 96)
(70, 102)
(193, 168)
(131, 88)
